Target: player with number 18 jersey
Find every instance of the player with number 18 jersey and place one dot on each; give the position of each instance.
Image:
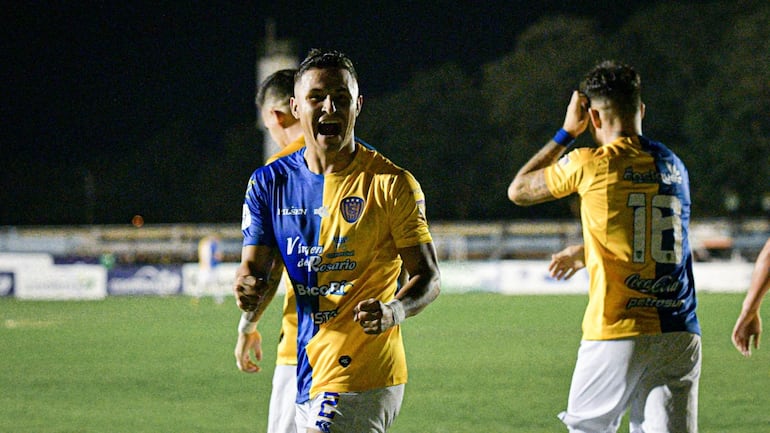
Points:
(641, 281)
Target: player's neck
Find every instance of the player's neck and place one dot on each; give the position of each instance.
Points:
(618, 130)
(293, 133)
(327, 161)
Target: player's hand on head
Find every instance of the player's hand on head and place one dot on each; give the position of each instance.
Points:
(577, 117)
(246, 346)
(373, 316)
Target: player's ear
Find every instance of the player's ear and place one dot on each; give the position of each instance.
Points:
(596, 119)
(294, 107)
(283, 118)
(642, 109)
(359, 104)
(272, 117)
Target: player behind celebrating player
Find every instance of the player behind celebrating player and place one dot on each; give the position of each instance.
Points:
(641, 338)
(273, 101)
(342, 218)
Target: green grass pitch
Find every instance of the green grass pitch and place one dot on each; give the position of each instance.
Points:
(477, 363)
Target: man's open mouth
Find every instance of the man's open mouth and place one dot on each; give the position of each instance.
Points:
(329, 128)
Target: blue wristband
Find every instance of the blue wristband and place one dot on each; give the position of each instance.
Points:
(563, 138)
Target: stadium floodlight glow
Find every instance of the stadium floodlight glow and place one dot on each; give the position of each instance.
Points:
(137, 221)
(732, 201)
(766, 202)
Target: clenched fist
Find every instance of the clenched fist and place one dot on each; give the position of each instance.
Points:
(249, 292)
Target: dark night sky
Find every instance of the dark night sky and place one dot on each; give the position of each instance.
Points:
(92, 79)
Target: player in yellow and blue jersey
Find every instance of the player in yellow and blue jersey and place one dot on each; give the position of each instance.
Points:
(273, 101)
(342, 218)
(273, 104)
(641, 338)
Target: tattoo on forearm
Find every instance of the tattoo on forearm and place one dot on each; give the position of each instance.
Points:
(536, 189)
(546, 156)
(530, 183)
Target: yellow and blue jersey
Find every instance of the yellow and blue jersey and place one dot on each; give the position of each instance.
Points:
(339, 236)
(635, 213)
(287, 341)
(286, 353)
(288, 150)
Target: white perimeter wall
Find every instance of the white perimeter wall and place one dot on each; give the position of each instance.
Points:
(519, 277)
(34, 276)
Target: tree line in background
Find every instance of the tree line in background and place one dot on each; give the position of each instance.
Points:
(705, 80)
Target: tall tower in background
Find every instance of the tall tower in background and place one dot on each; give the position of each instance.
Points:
(273, 54)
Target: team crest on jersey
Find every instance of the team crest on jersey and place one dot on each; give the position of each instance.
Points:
(351, 208)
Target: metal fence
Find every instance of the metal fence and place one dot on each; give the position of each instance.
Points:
(718, 239)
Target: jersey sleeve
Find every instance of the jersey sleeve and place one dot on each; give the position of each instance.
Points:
(409, 224)
(566, 176)
(256, 221)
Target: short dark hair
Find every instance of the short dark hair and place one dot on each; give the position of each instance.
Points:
(616, 82)
(326, 59)
(279, 86)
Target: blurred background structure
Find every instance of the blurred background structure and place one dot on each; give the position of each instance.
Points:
(713, 240)
(122, 111)
(273, 55)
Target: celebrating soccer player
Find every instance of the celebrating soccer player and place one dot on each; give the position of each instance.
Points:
(641, 338)
(342, 218)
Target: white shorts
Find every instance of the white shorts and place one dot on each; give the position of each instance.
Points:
(351, 412)
(281, 414)
(655, 376)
